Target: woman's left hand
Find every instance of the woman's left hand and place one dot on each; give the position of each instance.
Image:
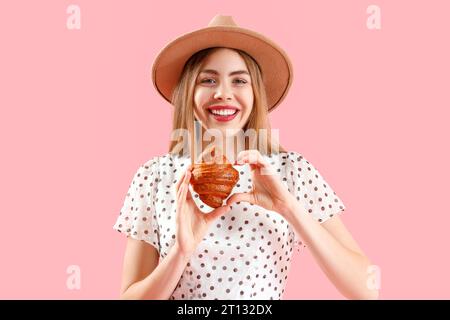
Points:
(268, 191)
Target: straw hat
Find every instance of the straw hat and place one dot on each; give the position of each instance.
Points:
(222, 31)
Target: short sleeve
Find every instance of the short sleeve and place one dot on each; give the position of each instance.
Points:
(310, 188)
(137, 217)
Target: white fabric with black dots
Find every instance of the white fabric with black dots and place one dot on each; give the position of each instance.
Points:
(246, 253)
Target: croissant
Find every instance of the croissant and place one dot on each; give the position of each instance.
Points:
(213, 181)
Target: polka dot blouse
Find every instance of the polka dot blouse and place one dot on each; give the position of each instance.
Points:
(246, 253)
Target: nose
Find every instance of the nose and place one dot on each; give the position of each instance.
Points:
(223, 92)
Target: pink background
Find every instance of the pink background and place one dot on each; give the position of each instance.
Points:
(369, 108)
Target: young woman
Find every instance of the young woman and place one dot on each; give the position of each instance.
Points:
(229, 78)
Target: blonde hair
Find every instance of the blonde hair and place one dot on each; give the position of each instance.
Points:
(183, 101)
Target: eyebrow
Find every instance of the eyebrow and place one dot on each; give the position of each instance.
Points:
(230, 74)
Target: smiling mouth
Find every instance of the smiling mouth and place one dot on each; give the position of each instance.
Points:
(223, 114)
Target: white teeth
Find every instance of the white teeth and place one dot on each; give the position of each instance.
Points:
(224, 112)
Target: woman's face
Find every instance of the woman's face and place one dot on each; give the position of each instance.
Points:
(223, 95)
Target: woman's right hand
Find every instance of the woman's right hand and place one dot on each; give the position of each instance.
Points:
(192, 224)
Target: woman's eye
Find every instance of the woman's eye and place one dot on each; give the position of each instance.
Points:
(241, 81)
(207, 80)
(212, 81)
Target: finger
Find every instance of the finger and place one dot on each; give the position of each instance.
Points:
(177, 186)
(253, 164)
(181, 187)
(239, 157)
(242, 154)
(182, 217)
(188, 195)
(256, 160)
(179, 182)
(185, 185)
(251, 156)
(245, 197)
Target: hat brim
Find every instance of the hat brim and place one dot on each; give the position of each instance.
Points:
(275, 65)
